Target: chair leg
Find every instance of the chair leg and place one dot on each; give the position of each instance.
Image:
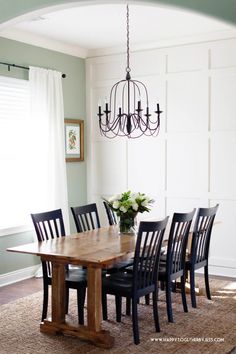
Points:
(155, 311)
(104, 306)
(192, 288)
(168, 301)
(80, 302)
(135, 321)
(207, 282)
(45, 301)
(67, 301)
(183, 294)
(128, 306)
(162, 285)
(118, 300)
(147, 299)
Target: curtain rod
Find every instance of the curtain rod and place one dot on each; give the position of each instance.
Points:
(21, 67)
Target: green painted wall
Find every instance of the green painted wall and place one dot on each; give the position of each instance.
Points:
(74, 106)
(225, 9)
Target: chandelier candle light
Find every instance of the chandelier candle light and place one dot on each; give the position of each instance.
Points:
(126, 118)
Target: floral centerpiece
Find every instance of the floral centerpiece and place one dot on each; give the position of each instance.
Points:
(127, 205)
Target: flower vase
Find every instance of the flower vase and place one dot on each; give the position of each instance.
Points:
(127, 224)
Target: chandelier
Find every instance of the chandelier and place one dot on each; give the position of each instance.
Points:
(129, 116)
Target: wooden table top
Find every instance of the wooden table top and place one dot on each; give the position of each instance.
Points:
(99, 247)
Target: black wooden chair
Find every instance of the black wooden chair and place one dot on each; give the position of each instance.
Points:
(86, 217)
(110, 214)
(172, 266)
(50, 225)
(200, 248)
(143, 279)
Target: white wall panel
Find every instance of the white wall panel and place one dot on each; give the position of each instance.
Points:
(223, 166)
(109, 171)
(223, 89)
(147, 63)
(146, 167)
(187, 58)
(192, 162)
(184, 205)
(187, 164)
(223, 241)
(223, 54)
(107, 70)
(187, 102)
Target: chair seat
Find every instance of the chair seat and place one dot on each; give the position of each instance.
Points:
(77, 276)
(122, 265)
(74, 278)
(119, 282)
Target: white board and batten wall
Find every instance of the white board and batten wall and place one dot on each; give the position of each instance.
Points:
(192, 161)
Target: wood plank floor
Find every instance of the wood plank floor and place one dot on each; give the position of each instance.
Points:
(20, 289)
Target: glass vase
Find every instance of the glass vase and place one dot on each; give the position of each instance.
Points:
(127, 224)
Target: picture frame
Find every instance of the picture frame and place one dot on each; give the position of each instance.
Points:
(74, 140)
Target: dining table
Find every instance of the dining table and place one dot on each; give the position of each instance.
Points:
(96, 250)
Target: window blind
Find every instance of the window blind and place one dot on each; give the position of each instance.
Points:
(15, 152)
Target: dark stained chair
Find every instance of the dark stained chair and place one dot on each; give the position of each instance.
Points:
(143, 279)
(172, 266)
(50, 225)
(200, 248)
(110, 214)
(86, 217)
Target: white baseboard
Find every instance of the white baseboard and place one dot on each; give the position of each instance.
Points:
(221, 267)
(18, 275)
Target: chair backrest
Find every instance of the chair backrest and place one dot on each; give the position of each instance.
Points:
(177, 243)
(202, 233)
(110, 214)
(48, 225)
(147, 253)
(86, 217)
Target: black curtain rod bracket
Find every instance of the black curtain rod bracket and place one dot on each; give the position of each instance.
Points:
(22, 67)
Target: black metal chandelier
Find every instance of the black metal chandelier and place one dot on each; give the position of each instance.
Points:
(127, 116)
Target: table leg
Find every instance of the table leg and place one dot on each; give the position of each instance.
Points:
(94, 302)
(58, 293)
(92, 332)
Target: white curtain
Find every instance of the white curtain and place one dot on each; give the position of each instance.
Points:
(47, 111)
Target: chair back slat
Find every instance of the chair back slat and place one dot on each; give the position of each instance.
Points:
(202, 234)
(147, 253)
(110, 214)
(86, 217)
(177, 242)
(48, 225)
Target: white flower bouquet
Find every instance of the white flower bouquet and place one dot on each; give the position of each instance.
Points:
(127, 205)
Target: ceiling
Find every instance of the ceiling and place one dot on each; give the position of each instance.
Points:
(95, 27)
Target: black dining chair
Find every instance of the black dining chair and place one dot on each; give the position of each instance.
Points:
(143, 279)
(50, 225)
(172, 265)
(200, 245)
(86, 217)
(110, 214)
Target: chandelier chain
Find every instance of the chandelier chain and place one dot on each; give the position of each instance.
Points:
(127, 27)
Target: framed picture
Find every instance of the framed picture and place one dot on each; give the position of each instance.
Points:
(74, 140)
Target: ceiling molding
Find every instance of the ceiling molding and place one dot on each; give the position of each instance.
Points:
(41, 41)
(74, 50)
(213, 36)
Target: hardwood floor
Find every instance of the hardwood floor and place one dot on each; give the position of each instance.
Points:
(20, 289)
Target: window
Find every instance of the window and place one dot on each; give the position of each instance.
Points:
(18, 178)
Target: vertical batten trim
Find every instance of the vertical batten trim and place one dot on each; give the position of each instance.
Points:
(209, 165)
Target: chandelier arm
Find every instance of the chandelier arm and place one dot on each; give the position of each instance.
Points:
(141, 83)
